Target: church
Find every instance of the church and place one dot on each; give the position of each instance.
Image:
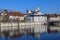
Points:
(36, 16)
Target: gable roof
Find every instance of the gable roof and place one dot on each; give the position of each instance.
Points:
(16, 14)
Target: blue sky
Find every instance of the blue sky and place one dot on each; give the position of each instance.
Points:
(46, 6)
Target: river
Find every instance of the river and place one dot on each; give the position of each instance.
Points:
(43, 36)
(50, 36)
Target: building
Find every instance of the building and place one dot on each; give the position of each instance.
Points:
(4, 16)
(16, 16)
(1, 17)
(36, 16)
(55, 19)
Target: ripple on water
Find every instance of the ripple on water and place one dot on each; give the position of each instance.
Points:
(24, 37)
(50, 36)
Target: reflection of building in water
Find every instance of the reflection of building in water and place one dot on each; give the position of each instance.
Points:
(24, 25)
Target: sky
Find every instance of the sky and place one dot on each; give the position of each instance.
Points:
(46, 6)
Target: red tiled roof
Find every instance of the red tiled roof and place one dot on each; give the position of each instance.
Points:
(53, 15)
(16, 14)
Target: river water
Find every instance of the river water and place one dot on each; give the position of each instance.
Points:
(50, 36)
(43, 36)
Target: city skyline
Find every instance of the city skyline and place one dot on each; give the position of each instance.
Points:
(46, 6)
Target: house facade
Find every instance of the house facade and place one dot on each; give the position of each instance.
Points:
(4, 16)
(54, 17)
(16, 16)
(11, 16)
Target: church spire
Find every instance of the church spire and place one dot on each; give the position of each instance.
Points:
(37, 9)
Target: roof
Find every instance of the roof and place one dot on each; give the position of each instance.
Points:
(16, 14)
(53, 15)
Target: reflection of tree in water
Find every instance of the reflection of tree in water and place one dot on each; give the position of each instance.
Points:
(15, 34)
(6, 34)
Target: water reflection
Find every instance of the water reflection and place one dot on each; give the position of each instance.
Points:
(43, 36)
(24, 37)
(40, 31)
(50, 36)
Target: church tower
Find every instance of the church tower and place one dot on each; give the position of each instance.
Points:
(37, 10)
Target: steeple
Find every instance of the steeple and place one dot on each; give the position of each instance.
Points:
(37, 9)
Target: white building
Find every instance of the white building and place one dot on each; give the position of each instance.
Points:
(15, 16)
(36, 16)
